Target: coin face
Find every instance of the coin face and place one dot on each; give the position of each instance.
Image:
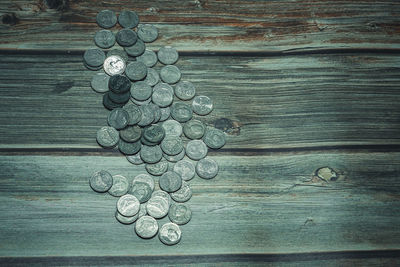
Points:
(152, 77)
(99, 82)
(164, 86)
(162, 194)
(157, 207)
(147, 32)
(106, 19)
(202, 105)
(149, 58)
(168, 55)
(170, 74)
(185, 169)
(128, 205)
(129, 148)
(136, 71)
(207, 168)
(131, 133)
(107, 137)
(101, 181)
(118, 118)
(119, 98)
(108, 103)
(137, 49)
(194, 129)
(126, 37)
(141, 191)
(158, 168)
(119, 187)
(146, 227)
(154, 133)
(128, 19)
(214, 138)
(94, 57)
(141, 91)
(180, 213)
(172, 145)
(170, 234)
(147, 115)
(144, 178)
(172, 128)
(185, 90)
(181, 112)
(151, 154)
(183, 194)
(196, 149)
(135, 159)
(175, 158)
(165, 112)
(104, 39)
(119, 84)
(135, 115)
(162, 97)
(126, 220)
(114, 65)
(170, 181)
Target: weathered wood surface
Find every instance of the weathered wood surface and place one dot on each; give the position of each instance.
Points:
(210, 25)
(262, 103)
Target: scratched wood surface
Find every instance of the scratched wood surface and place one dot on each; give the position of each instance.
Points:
(297, 85)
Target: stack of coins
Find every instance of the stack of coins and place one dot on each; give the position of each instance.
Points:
(150, 112)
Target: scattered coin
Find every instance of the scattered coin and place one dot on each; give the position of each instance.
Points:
(152, 77)
(167, 55)
(157, 207)
(170, 74)
(156, 112)
(175, 158)
(164, 86)
(147, 33)
(206, 168)
(128, 205)
(104, 39)
(118, 52)
(129, 148)
(114, 65)
(128, 19)
(202, 105)
(158, 168)
(118, 118)
(126, 37)
(126, 220)
(181, 112)
(185, 90)
(172, 128)
(180, 213)
(214, 138)
(141, 191)
(141, 91)
(165, 112)
(172, 145)
(106, 19)
(94, 57)
(99, 82)
(91, 67)
(119, 187)
(136, 71)
(108, 103)
(137, 49)
(149, 58)
(185, 169)
(119, 84)
(147, 115)
(145, 178)
(162, 97)
(151, 154)
(162, 194)
(107, 137)
(142, 210)
(183, 194)
(147, 143)
(119, 98)
(170, 234)
(146, 227)
(194, 129)
(135, 115)
(135, 159)
(101, 181)
(131, 133)
(170, 181)
(154, 133)
(196, 149)
(140, 103)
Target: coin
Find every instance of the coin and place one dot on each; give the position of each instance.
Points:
(170, 74)
(172, 145)
(128, 205)
(101, 181)
(129, 148)
(154, 133)
(152, 77)
(181, 112)
(135, 115)
(119, 187)
(137, 49)
(94, 57)
(194, 129)
(99, 82)
(206, 168)
(183, 194)
(126, 37)
(151, 154)
(128, 19)
(141, 103)
(202, 105)
(214, 138)
(157, 207)
(144, 178)
(162, 97)
(118, 52)
(131, 133)
(114, 65)
(146, 227)
(119, 84)
(141, 91)
(185, 90)
(147, 33)
(142, 210)
(162, 194)
(126, 220)
(168, 55)
(136, 71)
(156, 112)
(107, 137)
(92, 68)
(147, 115)
(104, 39)
(149, 58)
(165, 112)
(158, 168)
(141, 191)
(118, 118)
(108, 104)
(185, 169)
(196, 149)
(180, 213)
(119, 98)
(170, 181)
(135, 159)
(172, 127)
(106, 19)
(175, 158)
(170, 234)
(147, 143)
(164, 86)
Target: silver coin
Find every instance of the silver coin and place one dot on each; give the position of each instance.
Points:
(158, 168)
(94, 57)
(107, 137)
(162, 97)
(131, 134)
(101, 181)
(146, 227)
(207, 168)
(183, 194)
(129, 148)
(144, 178)
(120, 186)
(170, 234)
(164, 86)
(104, 39)
(175, 158)
(147, 115)
(142, 210)
(156, 112)
(214, 138)
(194, 129)
(118, 52)
(114, 65)
(157, 207)
(135, 159)
(141, 191)
(170, 181)
(141, 91)
(99, 82)
(136, 71)
(118, 118)
(172, 128)
(196, 149)
(128, 205)
(151, 154)
(149, 58)
(140, 103)
(147, 32)
(185, 90)
(168, 55)
(180, 213)
(163, 194)
(137, 49)
(124, 219)
(135, 115)
(172, 145)
(165, 112)
(181, 112)
(202, 105)
(170, 74)
(152, 77)
(126, 37)
(106, 19)
(185, 169)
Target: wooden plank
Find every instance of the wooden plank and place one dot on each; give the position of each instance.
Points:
(210, 25)
(262, 103)
(259, 204)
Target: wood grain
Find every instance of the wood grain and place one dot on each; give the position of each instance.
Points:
(210, 25)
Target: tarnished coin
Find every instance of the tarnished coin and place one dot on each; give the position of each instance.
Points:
(136, 71)
(146, 227)
(172, 128)
(126, 37)
(94, 57)
(106, 19)
(128, 205)
(119, 84)
(163, 194)
(131, 133)
(156, 112)
(129, 148)
(170, 234)
(175, 158)
(147, 33)
(154, 133)
(185, 90)
(151, 154)
(180, 213)
(196, 149)
(206, 168)
(114, 65)
(158, 168)
(170, 74)
(104, 39)
(162, 97)
(126, 220)
(108, 103)
(147, 143)
(147, 115)
(202, 105)
(149, 58)
(137, 49)
(165, 112)
(118, 52)
(119, 98)
(135, 115)
(120, 186)
(214, 138)
(141, 103)
(128, 19)
(152, 77)
(185, 169)
(107, 137)
(194, 129)
(172, 145)
(142, 210)
(183, 194)
(170, 181)
(168, 55)
(99, 82)
(101, 181)
(164, 86)
(157, 207)
(141, 191)
(144, 178)
(92, 68)
(118, 118)
(135, 159)
(181, 112)
(141, 91)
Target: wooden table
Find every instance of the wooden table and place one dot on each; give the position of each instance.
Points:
(296, 85)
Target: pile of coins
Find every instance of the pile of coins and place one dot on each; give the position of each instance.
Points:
(150, 112)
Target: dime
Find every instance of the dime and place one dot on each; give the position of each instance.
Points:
(119, 84)
(135, 115)
(168, 55)
(202, 105)
(165, 112)
(157, 207)
(94, 57)
(147, 32)
(154, 133)
(175, 158)
(170, 181)
(126, 37)
(149, 58)
(172, 127)
(129, 148)
(164, 86)
(108, 104)
(170, 234)
(136, 71)
(163, 194)
(156, 112)
(99, 82)
(118, 118)
(183, 194)
(120, 186)
(146, 227)
(194, 129)
(158, 168)
(106, 19)
(137, 49)
(131, 133)
(107, 137)
(196, 149)
(128, 205)
(101, 181)
(144, 178)
(141, 191)
(170, 74)
(126, 220)
(172, 145)
(185, 90)
(151, 154)
(162, 97)
(147, 115)
(118, 52)
(181, 112)
(185, 169)
(128, 19)
(114, 65)
(214, 138)
(135, 159)
(180, 213)
(206, 168)
(141, 91)
(119, 98)
(104, 39)
(152, 77)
